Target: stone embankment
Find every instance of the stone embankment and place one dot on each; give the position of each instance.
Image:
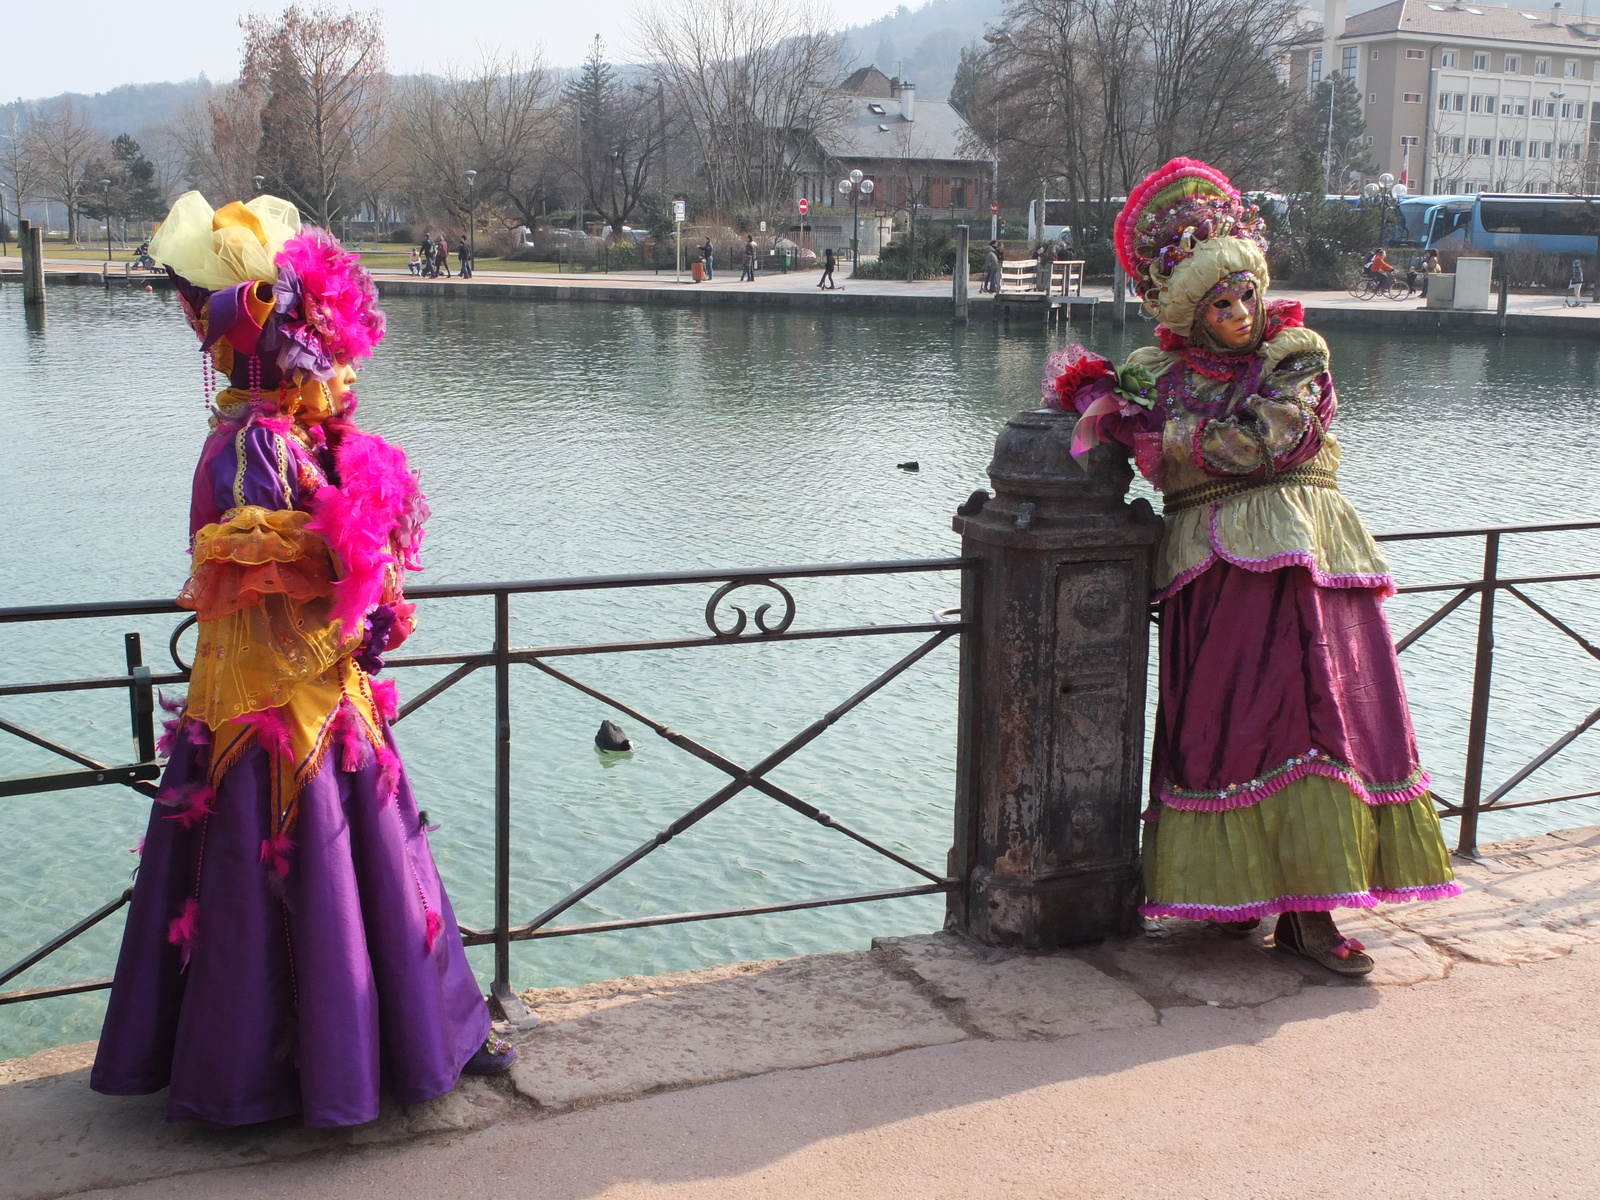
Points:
(1182, 1064)
(797, 291)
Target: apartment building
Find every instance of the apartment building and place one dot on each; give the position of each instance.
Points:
(1469, 97)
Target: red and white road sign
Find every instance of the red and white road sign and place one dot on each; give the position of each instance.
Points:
(805, 206)
(994, 208)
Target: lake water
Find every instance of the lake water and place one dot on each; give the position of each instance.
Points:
(579, 439)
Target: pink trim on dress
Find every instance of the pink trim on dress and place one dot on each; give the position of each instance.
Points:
(1270, 908)
(1184, 578)
(1297, 558)
(1311, 763)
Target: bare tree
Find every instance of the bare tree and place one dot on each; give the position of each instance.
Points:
(65, 146)
(217, 138)
(324, 81)
(496, 120)
(618, 131)
(1092, 94)
(20, 167)
(754, 84)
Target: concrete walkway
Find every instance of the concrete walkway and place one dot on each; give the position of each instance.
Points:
(1182, 1065)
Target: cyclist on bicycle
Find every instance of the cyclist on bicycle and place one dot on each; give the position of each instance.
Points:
(1378, 267)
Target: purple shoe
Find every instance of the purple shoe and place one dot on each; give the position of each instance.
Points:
(494, 1056)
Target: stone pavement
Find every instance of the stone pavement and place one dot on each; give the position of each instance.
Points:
(1188, 1064)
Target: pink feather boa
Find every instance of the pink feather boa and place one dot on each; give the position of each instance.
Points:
(337, 296)
(371, 521)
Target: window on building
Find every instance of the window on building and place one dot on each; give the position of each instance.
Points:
(1569, 68)
(1541, 66)
(1415, 52)
(1577, 109)
(1474, 145)
(1484, 104)
(1410, 140)
(1546, 149)
(1521, 107)
(1516, 148)
(1411, 97)
(1374, 54)
(1505, 147)
(1480, 62)
(1566, 109)
(1316, 66)
(1450, 58)
(1538, 108)
(958, 193)
(1372, 97)
(1352, 55)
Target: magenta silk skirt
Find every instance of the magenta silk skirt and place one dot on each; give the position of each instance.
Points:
(306, 994)
(1285, 772)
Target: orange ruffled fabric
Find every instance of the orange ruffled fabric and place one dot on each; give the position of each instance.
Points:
(262, 588)
(253, 553)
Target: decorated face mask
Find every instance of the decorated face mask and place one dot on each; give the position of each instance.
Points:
(1232, 309)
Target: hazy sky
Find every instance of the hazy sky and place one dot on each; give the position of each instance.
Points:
(108, 43)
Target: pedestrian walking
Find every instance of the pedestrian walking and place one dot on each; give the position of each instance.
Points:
(827, 270)
(425, 253)
(441, 256)
(464, 255)
(749, 260)
(991, 268)
(708, 256)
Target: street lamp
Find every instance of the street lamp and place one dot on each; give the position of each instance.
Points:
(1386, 190)
(472, 231)
(856, 186)
(258, 180)
(105, 188)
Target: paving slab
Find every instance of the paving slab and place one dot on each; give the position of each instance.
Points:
(1522, 901)
(1014, 996)
(1194, 962)
(628, 1037)
(61, 1138)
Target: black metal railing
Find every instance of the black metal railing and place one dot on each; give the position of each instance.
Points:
(1487, 587)
(727, 624)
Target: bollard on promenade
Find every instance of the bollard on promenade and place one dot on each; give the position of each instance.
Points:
(959, 272)
(1051, 750)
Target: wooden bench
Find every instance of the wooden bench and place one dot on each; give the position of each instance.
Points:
(1021, 277)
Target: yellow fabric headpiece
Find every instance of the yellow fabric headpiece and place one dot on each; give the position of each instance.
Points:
(237, 243)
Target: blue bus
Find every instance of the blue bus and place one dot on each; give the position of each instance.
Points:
(1497, 222)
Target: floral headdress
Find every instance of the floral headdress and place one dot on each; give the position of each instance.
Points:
(1182, 230)
(278, 305)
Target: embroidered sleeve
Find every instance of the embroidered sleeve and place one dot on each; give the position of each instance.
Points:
(258, 468)
(1277, 427)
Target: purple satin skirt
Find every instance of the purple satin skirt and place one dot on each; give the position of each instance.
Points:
(307, 993)
(1266, 677)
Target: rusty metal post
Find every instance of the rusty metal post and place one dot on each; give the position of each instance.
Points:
(960, 270)
(1050, 759)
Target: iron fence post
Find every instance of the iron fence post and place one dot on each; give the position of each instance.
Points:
(1050, 754)
(507, 1004)
(141, 699)
(1478, 721)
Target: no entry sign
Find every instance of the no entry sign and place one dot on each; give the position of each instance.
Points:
(805, 206)
(994, 208)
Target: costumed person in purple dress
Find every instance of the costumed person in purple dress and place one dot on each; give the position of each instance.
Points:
(1284, 778)
(289, 947)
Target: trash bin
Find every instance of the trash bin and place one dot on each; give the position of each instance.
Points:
(698, 270)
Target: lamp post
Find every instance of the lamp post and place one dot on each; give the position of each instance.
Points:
(105, 190)
(472, 228)
(1386, 190)
(258, 180)
(856, 186)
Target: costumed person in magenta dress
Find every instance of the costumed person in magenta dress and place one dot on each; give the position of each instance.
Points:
(289, 947)
(1284, 778)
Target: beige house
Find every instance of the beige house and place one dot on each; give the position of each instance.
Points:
(913, 150)
(1465, 97)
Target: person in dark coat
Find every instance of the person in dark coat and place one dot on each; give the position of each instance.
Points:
(827, 270)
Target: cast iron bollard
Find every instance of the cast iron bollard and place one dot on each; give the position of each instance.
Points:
(1049, 764)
